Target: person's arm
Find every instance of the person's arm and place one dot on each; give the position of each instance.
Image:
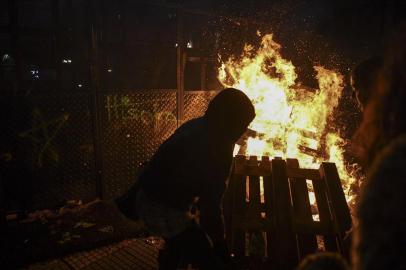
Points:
(211, 212)
(212, 191)
(212, 221)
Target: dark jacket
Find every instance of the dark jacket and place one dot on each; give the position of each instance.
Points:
(191, 164)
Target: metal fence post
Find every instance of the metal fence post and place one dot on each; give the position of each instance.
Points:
(56, 39)
(179, 67)
(14, 32)
(94, 96)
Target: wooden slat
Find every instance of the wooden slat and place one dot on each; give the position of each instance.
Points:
(251, 225)
(252, 170)
(266, 163)
(302, 211)
(254, 206)
(283, 221)
(337, 196)
(338, 203)
(314, 228)
(310, 174)
(285, 250)
(239, 206)
(245, 169)
(324, 213)
(269, 210)
(267, 183)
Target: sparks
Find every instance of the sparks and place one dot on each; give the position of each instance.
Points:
(292, 121)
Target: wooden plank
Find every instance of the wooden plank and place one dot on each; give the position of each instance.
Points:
(307, 242)
(338, 204)
(268, 195)
(239, 165)
(285, 249)
(250, 225)
(337, 196)
(254, 171)
(246, 169)
(279, 223)
(254, 225)
(254, 205)
(324, 214)
(239, 206)
(314, 228)
(250, 168)
(268, 209)
(311, 174)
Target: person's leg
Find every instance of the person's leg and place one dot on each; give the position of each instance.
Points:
(170, 257)
(183, 237)
(198, 249)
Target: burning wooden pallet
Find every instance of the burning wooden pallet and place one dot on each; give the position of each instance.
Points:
(269, 215)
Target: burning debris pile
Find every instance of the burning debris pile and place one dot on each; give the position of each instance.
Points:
(292, 121)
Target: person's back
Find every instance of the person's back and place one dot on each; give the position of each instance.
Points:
(193, 163)
(187, 165)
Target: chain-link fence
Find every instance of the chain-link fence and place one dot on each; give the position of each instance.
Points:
(133, 126)
(60, 140)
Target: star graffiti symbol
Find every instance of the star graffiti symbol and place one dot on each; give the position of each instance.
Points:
(43, 133)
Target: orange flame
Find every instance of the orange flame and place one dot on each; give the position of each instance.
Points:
(292, 121)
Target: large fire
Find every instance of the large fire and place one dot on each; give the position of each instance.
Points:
(292, 121)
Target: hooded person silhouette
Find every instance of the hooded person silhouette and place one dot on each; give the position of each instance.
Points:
(191, 165)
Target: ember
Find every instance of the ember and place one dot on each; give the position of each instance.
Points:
(292, 120)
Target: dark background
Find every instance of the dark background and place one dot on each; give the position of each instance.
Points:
(137, 39)
(96, 86)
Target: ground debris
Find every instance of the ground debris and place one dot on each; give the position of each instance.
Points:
(107, 229)
(84, 224)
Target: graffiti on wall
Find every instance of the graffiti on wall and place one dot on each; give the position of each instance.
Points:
(147, 112)
(42, 135)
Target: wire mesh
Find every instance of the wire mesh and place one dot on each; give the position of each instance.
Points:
(133, 126)
(61, 143)
(196, 103)
(60, 139)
